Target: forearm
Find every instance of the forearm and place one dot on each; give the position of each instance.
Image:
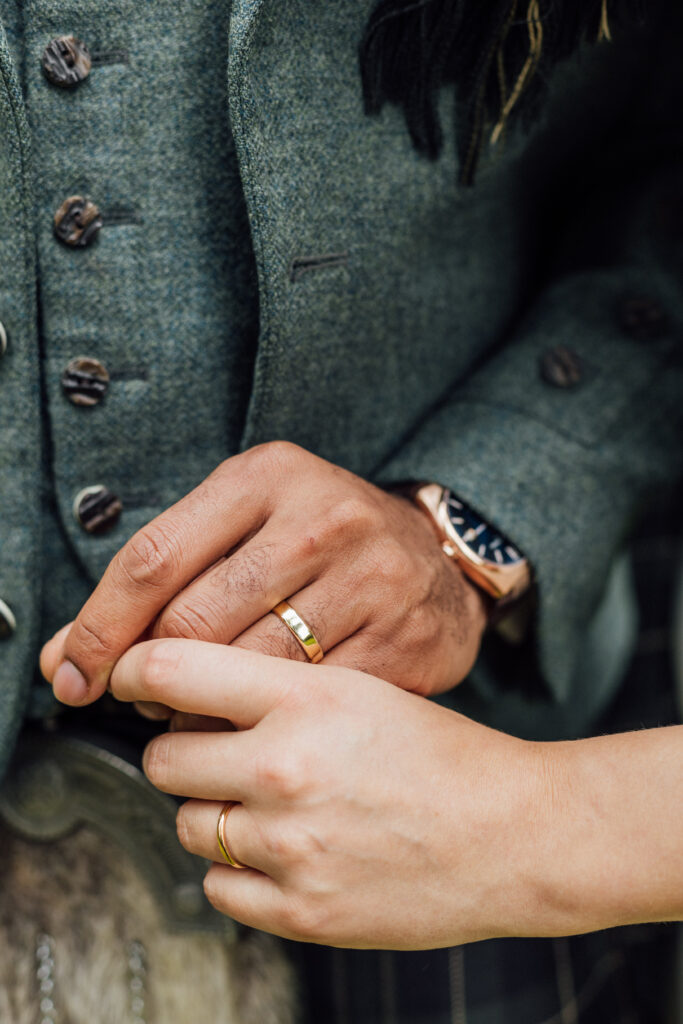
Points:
(613, 850)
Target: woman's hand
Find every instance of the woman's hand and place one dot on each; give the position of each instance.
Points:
(369, 816)
(362, 567)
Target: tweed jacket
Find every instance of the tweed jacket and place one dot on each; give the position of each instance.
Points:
(405, 323)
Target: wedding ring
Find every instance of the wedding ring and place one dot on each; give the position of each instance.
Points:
(220, 833)
(296, 625)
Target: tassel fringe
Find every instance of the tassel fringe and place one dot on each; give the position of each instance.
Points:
(497, 57)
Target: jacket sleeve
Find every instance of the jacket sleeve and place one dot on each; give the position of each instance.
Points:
(564, 470)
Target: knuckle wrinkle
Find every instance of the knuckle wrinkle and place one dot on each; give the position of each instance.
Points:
(149, 558)
(187, 623)
(90, 636)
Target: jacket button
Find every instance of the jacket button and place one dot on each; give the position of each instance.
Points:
(3, 339)
(8, 623)
(66, 61)
(642, 317)
(561, 367)
(96, 509)
(77, 222)
(85, 381)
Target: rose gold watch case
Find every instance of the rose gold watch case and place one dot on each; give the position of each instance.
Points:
(502, 582)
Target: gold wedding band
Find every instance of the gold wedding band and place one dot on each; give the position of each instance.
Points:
(220, 832)
(296, 625)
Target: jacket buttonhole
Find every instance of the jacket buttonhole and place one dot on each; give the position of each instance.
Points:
(301, 265)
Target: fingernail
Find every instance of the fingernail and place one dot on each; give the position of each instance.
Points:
(69, 684)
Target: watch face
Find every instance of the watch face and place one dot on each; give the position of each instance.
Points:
(482, 538)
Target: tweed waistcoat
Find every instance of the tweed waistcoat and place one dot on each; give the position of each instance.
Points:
(402, 321)
(207, 308)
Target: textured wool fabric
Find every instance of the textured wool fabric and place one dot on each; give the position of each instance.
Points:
(400, 318)
(20, 429)
(165, 297)
(12, 22)
(136, 301)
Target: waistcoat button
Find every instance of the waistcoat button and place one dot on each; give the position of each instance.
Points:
(561, 367)
(66, 61)
(642, 317)
(96, 509)
(8, 623)
(77, 222)
(85, 381)
(3, 339)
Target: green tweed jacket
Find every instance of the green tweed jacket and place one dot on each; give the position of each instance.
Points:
(408, 328)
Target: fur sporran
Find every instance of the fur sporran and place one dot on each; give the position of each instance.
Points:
(83, 942)
(102, 915)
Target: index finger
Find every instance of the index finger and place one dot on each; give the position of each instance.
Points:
(157, 562)
(208, 679)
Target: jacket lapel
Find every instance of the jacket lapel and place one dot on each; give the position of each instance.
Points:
(243, 20)
(295, 102)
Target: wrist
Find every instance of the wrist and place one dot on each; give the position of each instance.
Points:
(608, 846)
(485, 555)
(570, 891)
(479, 606)
(556, 856)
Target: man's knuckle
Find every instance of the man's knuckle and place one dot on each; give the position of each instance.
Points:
(273, 454)
(92, 636)
(350, 516)
(189, 622)
(149, 559)
(283, 451)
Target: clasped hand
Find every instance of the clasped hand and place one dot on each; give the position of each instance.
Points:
(360, 565)
(365, 816)
(331, 767)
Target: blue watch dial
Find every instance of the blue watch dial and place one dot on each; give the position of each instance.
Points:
(482, 538)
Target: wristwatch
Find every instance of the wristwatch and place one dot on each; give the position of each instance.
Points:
(483, 553)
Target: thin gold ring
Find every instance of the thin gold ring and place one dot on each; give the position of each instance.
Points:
(220, 833)
(299, 629)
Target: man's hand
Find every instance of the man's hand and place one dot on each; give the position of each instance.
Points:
(361, 566)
